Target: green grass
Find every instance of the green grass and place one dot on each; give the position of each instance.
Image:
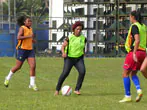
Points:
(102, 87)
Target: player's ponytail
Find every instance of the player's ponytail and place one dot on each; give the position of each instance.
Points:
(21, 20)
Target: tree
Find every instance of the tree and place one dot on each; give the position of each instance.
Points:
(36, 9)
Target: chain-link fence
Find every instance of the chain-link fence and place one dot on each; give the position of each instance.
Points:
(50, 38)
(105, 27)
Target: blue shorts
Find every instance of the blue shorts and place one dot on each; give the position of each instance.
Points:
(22, 54)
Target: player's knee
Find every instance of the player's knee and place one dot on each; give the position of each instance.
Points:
(142, 68)
(33, 67)
(143, 71)
(82, 73)
(125, 75)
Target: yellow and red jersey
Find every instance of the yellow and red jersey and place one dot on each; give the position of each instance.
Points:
(142, 35)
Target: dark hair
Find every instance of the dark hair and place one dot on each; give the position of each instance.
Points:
(137, 15)
(21, 20)
(76, 24)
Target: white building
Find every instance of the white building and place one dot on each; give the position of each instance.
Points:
(69, 11)
(55, 20)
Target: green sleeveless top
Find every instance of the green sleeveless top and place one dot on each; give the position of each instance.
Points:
(75, 46)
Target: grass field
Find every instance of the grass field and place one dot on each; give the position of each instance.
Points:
(102, 87)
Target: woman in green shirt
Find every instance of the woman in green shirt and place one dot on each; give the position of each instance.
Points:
(73, 49)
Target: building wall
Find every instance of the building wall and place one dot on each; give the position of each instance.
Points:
(55, 15)
(88, 22)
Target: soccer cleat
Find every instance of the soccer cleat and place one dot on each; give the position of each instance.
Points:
(139, 95)
(6, 83)
(125, 99)
(34, 87)
(77, 92)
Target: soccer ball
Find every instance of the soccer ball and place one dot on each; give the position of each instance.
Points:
(66, 90)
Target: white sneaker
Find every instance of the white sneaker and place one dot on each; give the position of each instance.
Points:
(6, 83)
(34, 87)
(139, 95)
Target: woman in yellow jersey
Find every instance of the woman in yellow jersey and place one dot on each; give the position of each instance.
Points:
(74, 56)
(24, 50)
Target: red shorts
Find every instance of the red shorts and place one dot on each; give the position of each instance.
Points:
(130, 64)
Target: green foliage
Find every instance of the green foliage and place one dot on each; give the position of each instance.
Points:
(102, 87)
(36, 9)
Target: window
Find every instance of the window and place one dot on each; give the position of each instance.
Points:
(100, 24)
(128, 10)
(82, 22)
(79, 11)
(94, 37)
(93, 49)
(54, 49)
(54, 24)
(94, 11)
(54, 37)
(100, 11)
(94, 24)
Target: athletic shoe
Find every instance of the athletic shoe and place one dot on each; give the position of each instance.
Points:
(34, 87)
(6, 83)
(125, 99)
(139, 95)
(77, 92)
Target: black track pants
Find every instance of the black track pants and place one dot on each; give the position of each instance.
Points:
(68, 64)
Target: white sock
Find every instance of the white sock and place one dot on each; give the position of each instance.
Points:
(9, 75)
(139, 90)
(128, 96)
(32, 80)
